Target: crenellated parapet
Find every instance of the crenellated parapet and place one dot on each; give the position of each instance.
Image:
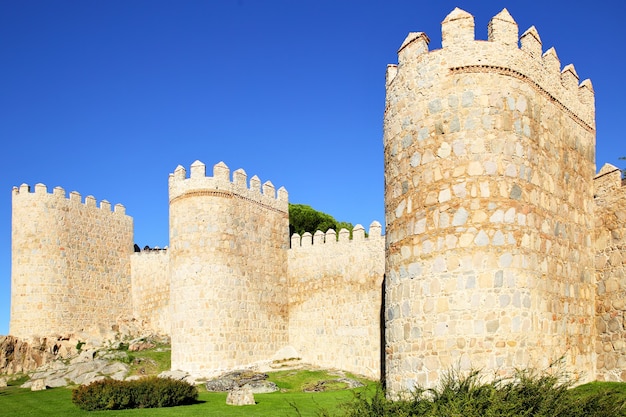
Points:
(332, 238)
(198, 183)
(607, 182)
(40, 192)
(503, 53)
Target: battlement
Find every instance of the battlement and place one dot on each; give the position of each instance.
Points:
(41, 191)
(606, 183)
(330, 237)
(198, 183)
(503, 53)
(152, 252)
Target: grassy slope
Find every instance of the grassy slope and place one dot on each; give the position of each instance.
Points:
(57, 402)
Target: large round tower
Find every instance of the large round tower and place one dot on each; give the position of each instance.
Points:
(489, 163)
(228, 254)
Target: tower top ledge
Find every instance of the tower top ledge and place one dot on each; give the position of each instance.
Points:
(505, 52)
(198, 181)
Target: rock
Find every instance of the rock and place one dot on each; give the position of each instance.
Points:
(352, 383)
(117, 355)
(86, 378)
(322, 386)
(38, 385)
(55, 382)
(261, 387)
(221, 385)
(235, 379)
(3, 382)
(178, 375)
(20, 356)
(240, 396)
(142, 345)
(85, 356)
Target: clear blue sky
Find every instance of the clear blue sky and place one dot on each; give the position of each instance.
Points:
(108, 97)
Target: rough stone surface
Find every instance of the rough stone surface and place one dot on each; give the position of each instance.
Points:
(256, 382)
(240, 396)
(66, 254)
(610, 263)
(20, 356)
(261, 387)
(335, 298)
(38, 385)
(83, 372)
(178, 375)
(499, 228)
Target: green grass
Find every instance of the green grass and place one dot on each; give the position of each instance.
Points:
(150, 361)
(298, 380)
(17, 402)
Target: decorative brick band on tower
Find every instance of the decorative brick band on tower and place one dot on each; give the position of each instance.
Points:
(489, 165)
(70, 266)
(228, 263)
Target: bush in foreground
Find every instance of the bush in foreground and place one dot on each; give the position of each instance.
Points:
(151, 392)
(528, 394)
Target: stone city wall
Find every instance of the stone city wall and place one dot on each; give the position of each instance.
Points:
(335, 296)
(70, 263)
(228, 263)
(150, 283)
(610, 239)
(489, 162)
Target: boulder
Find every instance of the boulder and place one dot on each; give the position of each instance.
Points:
(240, 396)
(140, 345)
(3, 382)
(38, 385)
(261, 387)
(238, 379)
(178, 375)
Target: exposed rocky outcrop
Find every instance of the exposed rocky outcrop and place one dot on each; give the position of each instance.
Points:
(59, 361)
(256, 382)
(19, 356)
(83, 369)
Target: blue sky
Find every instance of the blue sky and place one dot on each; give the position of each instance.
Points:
(108, 97)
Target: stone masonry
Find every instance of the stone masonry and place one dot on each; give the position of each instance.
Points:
(610, 240)
(70, 268)
(335, 298)
(489, 165)
(228, 248)
(503, 248)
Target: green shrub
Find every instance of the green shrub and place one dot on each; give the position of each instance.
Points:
(527, 394)
(150, 392)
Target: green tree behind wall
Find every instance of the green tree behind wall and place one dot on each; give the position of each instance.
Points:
(303, 218)
(623, 158)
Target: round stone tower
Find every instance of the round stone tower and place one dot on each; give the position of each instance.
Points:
(489, 166)
(228, 252)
